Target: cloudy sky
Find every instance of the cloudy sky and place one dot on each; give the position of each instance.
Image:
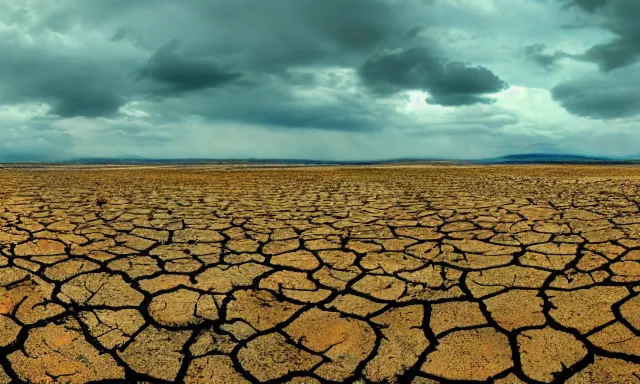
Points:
(318, 79)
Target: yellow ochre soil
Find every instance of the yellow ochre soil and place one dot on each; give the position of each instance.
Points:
(411, 274)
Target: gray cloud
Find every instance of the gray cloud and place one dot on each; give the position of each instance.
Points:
(293, 100)
(72, 86)
(450, 83)
(618, 53)
(350, 24)
(220, 44)
(599, 96)
(536, 53)
(621, 19)
(181, 73)
(210, 45)
(588, 5)
(278, 34)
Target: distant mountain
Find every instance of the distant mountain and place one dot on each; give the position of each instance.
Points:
(140, 161)
(197, 161)
(548, 158)
(531, 158)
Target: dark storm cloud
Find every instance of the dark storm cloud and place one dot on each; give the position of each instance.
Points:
(281, 34)
(351, 24)
(288, 101)
(588, 5)
(266, 34)
(536, 53)
(181, 73)
(622, 20)
(71, 86)
(86, 103)
(279, 64)
(450, 83)
(115, 79)
(619, 53)
(221, 43)
(612, 96)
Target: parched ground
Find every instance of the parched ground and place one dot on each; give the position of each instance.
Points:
(394, 274)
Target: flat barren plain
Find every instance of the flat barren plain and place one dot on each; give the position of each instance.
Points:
(411, 274)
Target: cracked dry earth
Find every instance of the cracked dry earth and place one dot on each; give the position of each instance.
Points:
(404, 274)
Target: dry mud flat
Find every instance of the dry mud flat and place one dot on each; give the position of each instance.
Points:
(394, 274)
